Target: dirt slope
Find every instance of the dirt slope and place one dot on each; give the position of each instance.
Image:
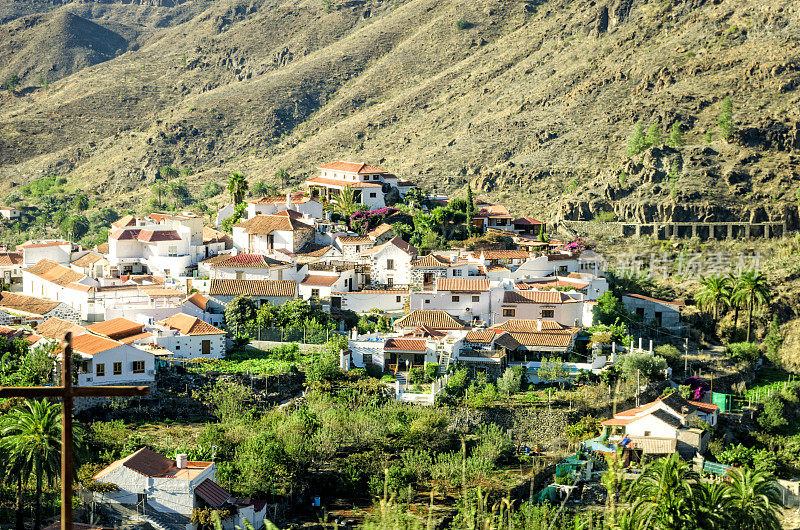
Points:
(526, 97)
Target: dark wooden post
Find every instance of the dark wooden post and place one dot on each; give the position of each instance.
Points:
(66, 434)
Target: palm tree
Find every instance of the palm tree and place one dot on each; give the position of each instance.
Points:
(31, 435)
(237, 187)
(168, 171)
(159, 190)
(345, 204)
(752, 290)
(714, 292)
(712, 506)
(662, 496)
(754, 500)
(12, 468)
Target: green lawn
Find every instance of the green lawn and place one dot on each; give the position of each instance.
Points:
(255, 361)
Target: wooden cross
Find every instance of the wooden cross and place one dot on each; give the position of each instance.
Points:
(66, 392)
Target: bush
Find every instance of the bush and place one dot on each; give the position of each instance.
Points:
(431, 371)
(650, 367)
(743, 351)
(494, 444)
(671, 354)
(463, 24)
(416, 375)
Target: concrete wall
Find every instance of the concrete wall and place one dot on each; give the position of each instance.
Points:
(366, 301)
(123, 354)
(401, 271)
(191, 346)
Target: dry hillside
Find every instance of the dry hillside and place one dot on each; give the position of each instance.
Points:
(531, 101)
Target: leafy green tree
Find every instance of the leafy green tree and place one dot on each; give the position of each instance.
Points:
(81, 202)
(212, 189)
(509, 383)
(75, 227)
(676, 138)
(650, 367)
(470, 210)
(261, 189)
(608, 309)
(714, 294)
(553, 369)
(752, 291)
(653, 137)
(179, 193)
(725, 120)
(168, 172)
(772, 418)
(345, 204)
(326, 367)
(31, 436)
(743, 351)
(238, 213)
(237, 187)
(637, 141)
(240, 313)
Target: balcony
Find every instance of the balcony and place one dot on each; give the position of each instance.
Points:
(479, 355)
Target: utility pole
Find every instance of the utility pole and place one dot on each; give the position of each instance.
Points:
(637, 387)
(685, 357)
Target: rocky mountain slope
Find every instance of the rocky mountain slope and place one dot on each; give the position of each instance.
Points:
(530, 101)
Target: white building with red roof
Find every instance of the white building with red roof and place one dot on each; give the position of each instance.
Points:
(368, 183)
(468, 299)
(390, 262)
(298, 201)
(189, 337)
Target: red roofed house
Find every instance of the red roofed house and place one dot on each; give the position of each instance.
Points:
(366, 181)
(320, 284)
(390, 263)
(491, 216)
(168, 487)
(106, 361)
(668, 424)
(546, 305)
(287, 231)
(190, 337)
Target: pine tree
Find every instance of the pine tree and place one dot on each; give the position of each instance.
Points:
(470, 208)
(637, 142)
(653, 137)
(676, 138)
(725, 120)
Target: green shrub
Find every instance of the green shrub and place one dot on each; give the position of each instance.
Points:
(671, 354)
(743, 351)
(416, 375)
(431, 371)
(637, 141)
(725, 120)
(463, 24)
(494, 444)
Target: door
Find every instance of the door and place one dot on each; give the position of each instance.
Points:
(206, 347)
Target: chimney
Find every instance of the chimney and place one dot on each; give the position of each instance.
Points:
(181, 461)
(538, 324)
(685, 412)
(288, 200)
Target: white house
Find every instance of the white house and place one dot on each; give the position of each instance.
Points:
(287, 231)
(425, 270)
(366, 181)
(110, 362)
(11, 269)
(535, 304)
(438, 320)
(298, 202)
(664, 313)
(320, 284)
(8, 212)
(468, 299)
(390, 262)
(364, 301)
(244, 266)
(352, 246)
(48, 279)
(166, 486)
(122, 330)
(188, 336)
(16, 308)
(56, 250)
(92, 264)
(152, 311)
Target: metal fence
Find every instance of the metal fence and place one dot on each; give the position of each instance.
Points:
(301, 335)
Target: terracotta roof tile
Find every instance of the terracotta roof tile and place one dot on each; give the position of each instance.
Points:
(537, 297)
(502, 254)
(198, 300)
(189, 325)
(396, 241)
(54, 273)
(212, 493)
(286, 221)
(354, 240)
(242, 260)
(425, 331)
(125, 220)
(153, 236)
(431, 260)
(402, 344)
(352, 167)
(342, 183)
(434, 319)
(102, 248)
(526, 221)
(532, 326)
(480, 336)
(56, 328)
(8, 259)
(380, 230)
(92, 344)
(651, 299)
(87, 260)
(463, 285)
(44, 244)
(125, 234)
(323, 280)
(27, 304)
(297, 197)
(286, 288)
(116, 328)
(542, 338)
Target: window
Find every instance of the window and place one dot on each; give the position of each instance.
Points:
(358, 248)
(372, 195)
(390, 264)
(173, 250)
(397, 299)
(206, 347)
(117, 368)
(389, 281)
(314, 293)
(548, 313)
(367, 358)
(427, 300)
(177, 346)
(375, 177)
(457, 272)
(476, 298)
(509, 312)
(647, 433)
(100, 370)
(138, 367)
(455, 298)
(240, 275)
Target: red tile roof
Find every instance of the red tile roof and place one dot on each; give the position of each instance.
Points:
(380, 230)
(125, 220)
(480, 336)
(287, 221)
(26, 304)
(54, 273)
(32, 244)
(255, 261)
(212, 493)
(152, 236)
(532, 326)
(93, 344)
(617, 422)
(708, 408)
(650, 299)
(116, 328)
(189, 325)
(526, 221)
(56, 328)
(502, 254)
(295, 198)
(87, 260)
(322, 280)
(398, 242)
(197, 299)
(425, 331)
(409, 345)
(286, 288)
(463, 285)
(354, 240)
(434, 319)
(352, 167)
(431, 260)
(537, 297)
(10, 258)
